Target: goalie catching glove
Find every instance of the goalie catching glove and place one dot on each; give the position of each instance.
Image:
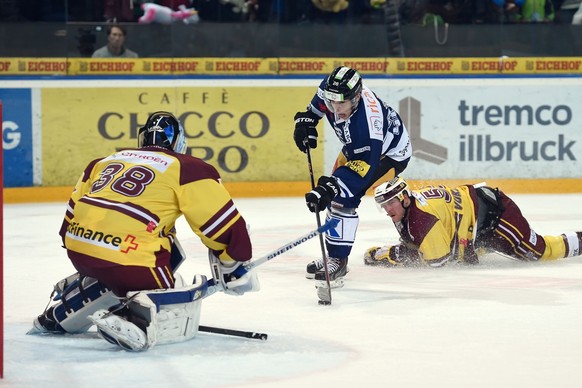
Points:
(305, 131)
(321, 196)
(233, 277)
(392, 256)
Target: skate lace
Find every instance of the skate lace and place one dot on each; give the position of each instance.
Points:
(333, 264)
(318, 263)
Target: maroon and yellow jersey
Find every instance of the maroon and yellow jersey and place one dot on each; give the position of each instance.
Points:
(124, 208)
(439, 223)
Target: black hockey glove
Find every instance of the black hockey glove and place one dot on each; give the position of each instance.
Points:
(321, 196)
(305, 131)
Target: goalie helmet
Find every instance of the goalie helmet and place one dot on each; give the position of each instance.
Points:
(343, 84)
(396, 187)
(165, 130)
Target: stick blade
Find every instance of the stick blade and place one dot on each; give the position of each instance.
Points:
(324, 295)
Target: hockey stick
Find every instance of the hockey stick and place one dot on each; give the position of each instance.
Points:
(324, 294)
(236, 333)
(213, 286)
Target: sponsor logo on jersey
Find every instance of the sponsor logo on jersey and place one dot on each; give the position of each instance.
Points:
(101, 239)
(457, 200)
(155, 160)
(343, 133)
(363, 149)
(404, 151)
(376, 128)
(394, 121)
(359, 167)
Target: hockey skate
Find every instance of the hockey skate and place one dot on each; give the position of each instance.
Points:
(118, 331)
(313, 267)
(337, 268)
(43, 324)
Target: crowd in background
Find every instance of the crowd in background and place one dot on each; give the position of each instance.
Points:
(299, 11)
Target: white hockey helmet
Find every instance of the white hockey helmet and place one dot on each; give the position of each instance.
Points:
(395, 187)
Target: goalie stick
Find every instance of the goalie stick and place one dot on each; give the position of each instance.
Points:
(236, 333)
(323, 293)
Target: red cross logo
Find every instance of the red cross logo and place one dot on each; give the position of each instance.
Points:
(132, 244)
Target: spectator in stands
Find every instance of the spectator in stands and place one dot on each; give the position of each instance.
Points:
(537, 11)
(116, 11)
(527, 11)
(115, 47)
(329, 11)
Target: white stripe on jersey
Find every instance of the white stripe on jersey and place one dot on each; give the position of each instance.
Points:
(402, 151)
(123, 206)
(162, 275)
(344, 191)
(229, 211)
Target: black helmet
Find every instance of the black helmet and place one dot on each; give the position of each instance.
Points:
(343, 84)
(163, 129)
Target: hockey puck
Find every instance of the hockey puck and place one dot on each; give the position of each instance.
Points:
(324, 302)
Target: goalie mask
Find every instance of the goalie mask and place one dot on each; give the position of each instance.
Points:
(165, 130)
(394, 188)
(343, 86)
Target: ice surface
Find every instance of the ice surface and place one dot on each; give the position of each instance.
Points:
(500, 324)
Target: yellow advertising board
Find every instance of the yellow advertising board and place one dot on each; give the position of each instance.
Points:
(288, 66)
(245, 132)
(173, 66)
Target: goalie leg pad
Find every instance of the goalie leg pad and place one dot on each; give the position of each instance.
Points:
(156, 317)
(77, 297)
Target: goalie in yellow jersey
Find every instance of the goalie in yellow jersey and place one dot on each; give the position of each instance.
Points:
(439, 224)
(119, 234)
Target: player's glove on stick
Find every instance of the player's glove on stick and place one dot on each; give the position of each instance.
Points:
(321, 196)
(240, 281)
(305, 131)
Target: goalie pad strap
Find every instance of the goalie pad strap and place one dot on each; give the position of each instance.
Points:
(81, 298)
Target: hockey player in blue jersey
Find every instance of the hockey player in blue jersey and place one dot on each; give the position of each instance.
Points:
(375, 141)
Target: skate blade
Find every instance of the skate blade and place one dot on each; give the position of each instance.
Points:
(34, 331)
(337, 283)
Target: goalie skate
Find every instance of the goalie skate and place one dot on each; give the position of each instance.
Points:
(118, 331)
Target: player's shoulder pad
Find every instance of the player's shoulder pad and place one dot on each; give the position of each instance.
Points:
(194, 169)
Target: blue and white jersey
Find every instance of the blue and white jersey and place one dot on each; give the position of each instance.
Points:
(373, 131)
